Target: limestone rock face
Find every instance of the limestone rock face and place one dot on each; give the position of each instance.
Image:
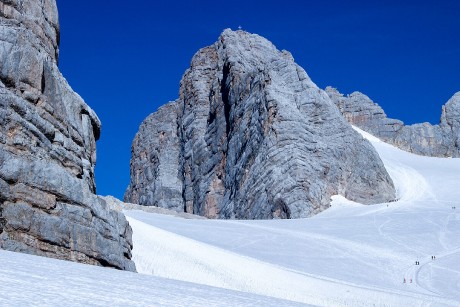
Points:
(252, 137)
(441, 140)
(156, 178)
(48, 150)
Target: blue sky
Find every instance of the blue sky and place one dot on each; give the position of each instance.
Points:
(126, 58)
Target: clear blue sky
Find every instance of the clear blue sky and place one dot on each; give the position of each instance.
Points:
(126, 58)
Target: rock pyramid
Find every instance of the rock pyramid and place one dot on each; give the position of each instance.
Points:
(251, 137)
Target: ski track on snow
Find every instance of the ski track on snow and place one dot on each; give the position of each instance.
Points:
(234, 254)
(348, 255)
(169, 255)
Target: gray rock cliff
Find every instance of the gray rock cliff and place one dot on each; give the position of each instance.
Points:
(251, 137)
(442, 140)
(155, 171)
(48, 150)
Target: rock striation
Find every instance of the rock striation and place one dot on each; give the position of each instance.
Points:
(442, 140)
(48, 136)
(251, 137)
(156, 171)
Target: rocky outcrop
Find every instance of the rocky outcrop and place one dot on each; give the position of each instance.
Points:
(442, 140)
(251, 137)
(155, 169)
(48, 150)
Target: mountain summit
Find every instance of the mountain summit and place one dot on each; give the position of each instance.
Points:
(251, 137)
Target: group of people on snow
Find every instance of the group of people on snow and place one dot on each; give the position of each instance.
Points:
(417, 263)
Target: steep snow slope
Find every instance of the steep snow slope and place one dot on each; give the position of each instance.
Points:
(350, 254)
(27, 280)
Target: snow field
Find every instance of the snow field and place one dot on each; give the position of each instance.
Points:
(172, 256)
(27, 280)
(350, 254)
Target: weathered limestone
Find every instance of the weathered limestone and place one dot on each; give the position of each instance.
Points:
(48, 150)
(251, 137)
(157, 177)
(424, 139)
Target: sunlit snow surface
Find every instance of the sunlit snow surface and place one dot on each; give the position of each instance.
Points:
(350, 254)
(27, 280)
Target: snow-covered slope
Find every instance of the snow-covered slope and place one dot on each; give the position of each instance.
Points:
(27, 280)
(350, 254)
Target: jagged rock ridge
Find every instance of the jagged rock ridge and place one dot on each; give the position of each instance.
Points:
(251, 136)
(442, 140)
(48, 150)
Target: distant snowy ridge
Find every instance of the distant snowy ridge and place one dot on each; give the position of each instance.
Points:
(410, 185)
(441, 140)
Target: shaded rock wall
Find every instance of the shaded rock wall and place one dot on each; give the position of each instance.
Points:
(442, 140)
(48, 150)
(156, 169)
(253, 138)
